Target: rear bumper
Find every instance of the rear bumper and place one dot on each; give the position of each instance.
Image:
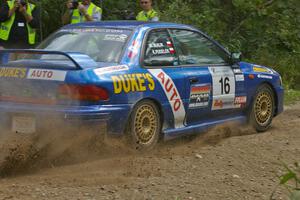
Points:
(114, 117)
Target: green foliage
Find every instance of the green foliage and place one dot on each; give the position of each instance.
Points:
(267, 32)
(51, 15)
(53, 10)
(291, 175)
(291, 96)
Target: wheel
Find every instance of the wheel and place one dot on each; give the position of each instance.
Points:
(263, 108)
(144, 125)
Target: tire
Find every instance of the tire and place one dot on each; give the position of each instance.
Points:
(144, 126)
(262, 109)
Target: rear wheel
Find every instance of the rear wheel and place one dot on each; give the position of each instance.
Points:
(144, 125)
(263, 108)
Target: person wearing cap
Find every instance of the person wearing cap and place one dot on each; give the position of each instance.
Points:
(81, 12)
(148, 13)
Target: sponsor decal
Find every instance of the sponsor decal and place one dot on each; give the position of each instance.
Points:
(225, 103)
(239, 77)
(44, 74)
(9, 72)
(171, 47)
(94, 30)
(240, 100)
(134, 49)
(156, 45)
(110, 69)
(172, 94)
(237, 71)
(261, 69)
(115, 38)
(223, 87)
(160, 51)
(172, 50)
(218, 104)
(264, 76)
(199, 96)
(133, 83)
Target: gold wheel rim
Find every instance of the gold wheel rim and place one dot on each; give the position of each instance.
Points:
(263, 108)
(145, 124)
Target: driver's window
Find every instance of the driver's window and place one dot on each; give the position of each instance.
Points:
(159, 49)
(195, 49)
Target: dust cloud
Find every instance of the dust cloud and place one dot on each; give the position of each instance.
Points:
(60, 144)
(55, 145)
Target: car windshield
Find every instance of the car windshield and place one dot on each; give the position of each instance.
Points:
(101, 44)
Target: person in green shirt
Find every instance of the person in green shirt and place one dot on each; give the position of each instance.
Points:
(148, 13)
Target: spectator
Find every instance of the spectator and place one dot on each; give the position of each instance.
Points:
(81, 12)
(19, 20)
(148, 13)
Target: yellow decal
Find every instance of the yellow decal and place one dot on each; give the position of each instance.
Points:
(13, 72)
(133, 83)
(260, 69)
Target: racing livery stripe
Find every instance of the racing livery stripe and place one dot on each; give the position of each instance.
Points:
(44, 74)
(172, 94)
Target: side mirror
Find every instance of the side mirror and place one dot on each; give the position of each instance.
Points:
(235, 57)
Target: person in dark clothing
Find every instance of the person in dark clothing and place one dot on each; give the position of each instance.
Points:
(19, 20)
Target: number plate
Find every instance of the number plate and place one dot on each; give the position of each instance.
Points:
(23, 124)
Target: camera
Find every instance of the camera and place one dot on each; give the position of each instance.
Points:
(23, 2)
(75, 4)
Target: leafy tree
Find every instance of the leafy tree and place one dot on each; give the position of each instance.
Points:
(265, 31)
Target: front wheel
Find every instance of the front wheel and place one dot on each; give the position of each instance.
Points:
(263, 108)
(144, 125)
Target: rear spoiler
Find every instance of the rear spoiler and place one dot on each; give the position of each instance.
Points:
(80, 60)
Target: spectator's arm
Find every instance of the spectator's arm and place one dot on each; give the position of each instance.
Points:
(35, 21)
(87, 17)
(83, 11)
(13, 10)
(4, 11)
(66, 18)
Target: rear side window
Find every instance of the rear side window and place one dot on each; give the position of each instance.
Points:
(159, 49)
(102, 45)
(195, 49)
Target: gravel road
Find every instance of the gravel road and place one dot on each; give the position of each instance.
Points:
(228, 162)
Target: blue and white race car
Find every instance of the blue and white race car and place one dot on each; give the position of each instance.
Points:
(138, 78)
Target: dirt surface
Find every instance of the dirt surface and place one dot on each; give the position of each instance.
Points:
(228, 162)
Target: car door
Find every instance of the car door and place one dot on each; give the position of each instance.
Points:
(210, 83)
(161, 61)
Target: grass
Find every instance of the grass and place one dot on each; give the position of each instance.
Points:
(291, 96)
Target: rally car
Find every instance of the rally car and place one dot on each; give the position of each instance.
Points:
(142, 79)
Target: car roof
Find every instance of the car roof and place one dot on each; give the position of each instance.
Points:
(132, 24)
(126, 24)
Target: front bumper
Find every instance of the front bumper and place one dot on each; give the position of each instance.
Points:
(280, 100)
(114, 117)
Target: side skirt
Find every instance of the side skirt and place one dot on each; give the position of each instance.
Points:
(198, 128)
